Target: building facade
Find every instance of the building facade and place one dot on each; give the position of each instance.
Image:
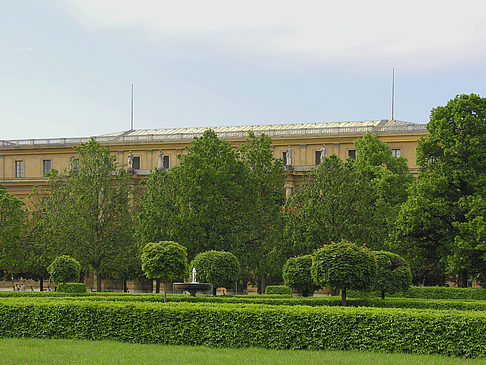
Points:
(24, 163)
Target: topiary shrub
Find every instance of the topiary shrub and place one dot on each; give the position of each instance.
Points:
(219, 268)
(165, 260)
(64, 269)
(71, 288)
(278, 289)
(297, 274)
(393, 273)
(344, 265)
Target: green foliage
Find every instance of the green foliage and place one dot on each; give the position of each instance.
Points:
(164, 260)
(393, 273)
(218, 198)
(71, 287)
(344, 265)
(297, 274)
(451, 333)
(88, 214)
(64, 269)
(438, 226)
(356, 200)
(442, 292)
(12, 225)
(278, 290)
(219, 268)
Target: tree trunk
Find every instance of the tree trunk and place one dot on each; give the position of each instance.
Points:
(125, 288)
(259, 284)
(41, 284)
(383, 294)
(343, 297)
(214, 290)
(157, 287)
(165, 295)
(462, 279)
(98, 283)
(305, 292)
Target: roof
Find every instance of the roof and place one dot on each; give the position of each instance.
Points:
(236, 132)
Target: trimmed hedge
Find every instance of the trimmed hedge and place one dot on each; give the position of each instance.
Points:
(431, 292)
(278, 289)
(449, 333)
(71, 288)
(407, 303)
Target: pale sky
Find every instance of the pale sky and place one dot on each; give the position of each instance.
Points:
(67, 66)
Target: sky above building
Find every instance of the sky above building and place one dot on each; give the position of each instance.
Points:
(67, 66)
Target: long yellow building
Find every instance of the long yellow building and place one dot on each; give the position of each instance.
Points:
(24, 163)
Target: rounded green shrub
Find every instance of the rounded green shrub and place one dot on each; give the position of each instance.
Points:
(393, 273)
(297, 274)
(64, 269)
(219, 268)
(344, 265)
(71, 288)
(278, 289)
(165, 260)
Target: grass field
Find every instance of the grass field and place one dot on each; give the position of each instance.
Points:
(44, 351)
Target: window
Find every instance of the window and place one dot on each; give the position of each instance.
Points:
(352, 154)
(136, 163)
(318, 157)
(284, 158)
(19, 168)
(396, 152)
(46, 166)
(166, 163)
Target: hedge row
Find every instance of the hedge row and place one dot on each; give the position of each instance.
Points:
(449, 333)
(432, 292)
(440, 304)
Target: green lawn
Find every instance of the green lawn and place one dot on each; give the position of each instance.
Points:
(46, 351)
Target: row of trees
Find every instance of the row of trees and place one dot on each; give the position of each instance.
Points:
(221, 198)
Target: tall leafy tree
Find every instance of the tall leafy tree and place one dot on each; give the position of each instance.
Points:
(87, 211)
(444, 208)
(217, 198)
(265, 223)
(13, 221)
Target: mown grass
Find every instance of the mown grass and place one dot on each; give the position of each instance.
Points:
(55, 351)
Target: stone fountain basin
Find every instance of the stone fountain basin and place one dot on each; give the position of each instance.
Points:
(193, 288)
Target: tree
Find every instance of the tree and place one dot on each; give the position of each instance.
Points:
(355, 200)
(344, 265)
(13, 221)
(334, 203)
(165, 260)
(393, 274)
(445, 198)
(64, 269)
(218, 198)
(217, 267)
(297, 274)
(87, 212)
(264, 218)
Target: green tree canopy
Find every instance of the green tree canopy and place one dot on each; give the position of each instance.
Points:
(13, 222)
(87, 212)
(393, 273)
(344, 265)
(64, 269)
(219, 268)
(165, 260)
(355, 200)
(445, 201)
(297, 274)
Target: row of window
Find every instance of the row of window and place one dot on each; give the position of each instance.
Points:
(46, 164)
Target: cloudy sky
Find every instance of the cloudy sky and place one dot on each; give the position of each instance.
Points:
(67, 66)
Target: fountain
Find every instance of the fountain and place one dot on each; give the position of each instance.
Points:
(193, 287)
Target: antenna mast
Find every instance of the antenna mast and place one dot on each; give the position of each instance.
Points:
(131, 112)
(393, 94)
